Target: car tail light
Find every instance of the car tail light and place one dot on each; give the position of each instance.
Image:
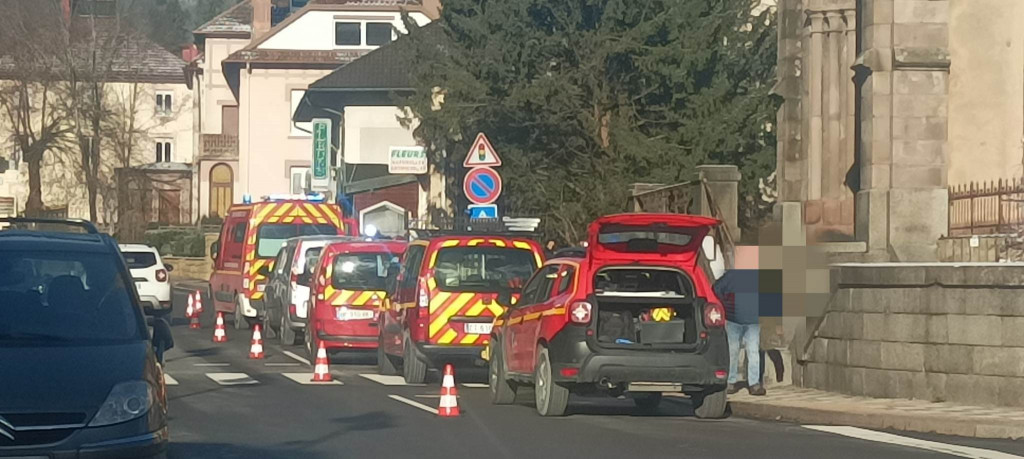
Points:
(291, 310)
(161, 275)
(295, 279)
(423, 295)
(569, 372)
(579, 312)
(714, 315)
(720, 374)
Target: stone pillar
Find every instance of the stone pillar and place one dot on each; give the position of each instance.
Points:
(815, 124)
(723, 182)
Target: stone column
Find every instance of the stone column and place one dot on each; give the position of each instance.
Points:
(813, 67)
(832, 157)
(723, 181)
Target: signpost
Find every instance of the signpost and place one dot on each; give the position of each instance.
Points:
(407, 160)
(482, 153)
(483, 211)
(321, 173)
(482, 185)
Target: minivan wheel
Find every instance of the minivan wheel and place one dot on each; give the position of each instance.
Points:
(552, 398)
(385, 366)
(647, 402)
(503, 391)
(286, 332)
(709, 404)
(414, 370)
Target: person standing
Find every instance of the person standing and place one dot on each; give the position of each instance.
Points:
(739, 291)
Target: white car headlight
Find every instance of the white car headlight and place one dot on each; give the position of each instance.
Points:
(127, 401)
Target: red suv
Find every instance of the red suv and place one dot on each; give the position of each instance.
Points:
(633, 312)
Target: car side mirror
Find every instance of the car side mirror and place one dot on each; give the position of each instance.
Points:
(162, 338)
(505, 297)
(214, 250)
(264, 271)
(169, 267)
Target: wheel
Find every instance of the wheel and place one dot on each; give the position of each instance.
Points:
(552, 398)
(286, 332)
(414, 370)
(385, 365)
(709, 404)
(503, 391)
(647, 401)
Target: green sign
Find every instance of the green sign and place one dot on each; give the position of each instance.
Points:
(321, 154)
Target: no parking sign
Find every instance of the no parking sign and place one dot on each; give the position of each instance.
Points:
(482, 185)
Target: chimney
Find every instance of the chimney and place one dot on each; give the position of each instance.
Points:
(260, 18)
(189, 53)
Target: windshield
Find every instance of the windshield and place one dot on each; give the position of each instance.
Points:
(361, 271)
(271, 237)
(65, 296)
(139, 260)
(482, 269)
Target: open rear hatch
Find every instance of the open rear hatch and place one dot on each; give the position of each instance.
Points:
(644, 295)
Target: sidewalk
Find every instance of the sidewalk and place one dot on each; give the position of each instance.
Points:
(810, 406)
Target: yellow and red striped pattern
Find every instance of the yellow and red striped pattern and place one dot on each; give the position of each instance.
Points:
(294, 212)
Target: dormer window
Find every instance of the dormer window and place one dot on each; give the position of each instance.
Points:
(348, 33)
(362, 33)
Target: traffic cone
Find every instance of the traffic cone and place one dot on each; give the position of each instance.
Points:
(198, 302)
(189, 310)
(193, 322)
(321, 370)
(449, 406)
(219, 336)
(256, 350)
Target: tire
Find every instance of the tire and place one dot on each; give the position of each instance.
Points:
(709, 404)
(552, 398)
(647, 402)
(286, 332)
(503, 391)
(385, 366)
(414, 370)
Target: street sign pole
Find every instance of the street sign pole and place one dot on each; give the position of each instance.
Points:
(321, 170)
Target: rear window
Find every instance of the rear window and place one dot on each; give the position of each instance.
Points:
(311, 257)
(65, 296)
(361, 271)
(642, 281)
(139, 260)
(482, 269)
(640, 237)
(271, 237)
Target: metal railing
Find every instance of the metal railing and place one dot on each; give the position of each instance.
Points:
(995, 207)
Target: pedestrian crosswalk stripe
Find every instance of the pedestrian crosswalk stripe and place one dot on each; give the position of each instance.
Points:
(231, 379)
(474, 385)
(169, 380)
(307, 379)
(388, 380)
(296, 357)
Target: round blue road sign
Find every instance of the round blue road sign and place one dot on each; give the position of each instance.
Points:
(482, 185)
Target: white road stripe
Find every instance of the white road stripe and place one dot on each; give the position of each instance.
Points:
(388, 380)
(289, 364)
(474, 385)
(307, 379)
(296, 357)
(169, 380)
(413, 403)
(231, 379)
(212, 364)
(882, 437)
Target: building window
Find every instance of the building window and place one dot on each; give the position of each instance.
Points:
(164, 102)
(378, 33)
(348, 33)
(299, 176)
(163, 151)
(298, 129)
(298, 4)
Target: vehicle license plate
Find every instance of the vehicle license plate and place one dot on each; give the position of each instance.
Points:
(477, 329)
(353, 314)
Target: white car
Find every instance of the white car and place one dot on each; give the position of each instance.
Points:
(150, 275)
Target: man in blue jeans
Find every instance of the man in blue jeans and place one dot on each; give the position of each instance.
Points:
(739, 290)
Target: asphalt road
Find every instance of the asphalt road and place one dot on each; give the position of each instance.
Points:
(223, 405)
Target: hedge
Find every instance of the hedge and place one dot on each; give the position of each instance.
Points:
(178, 242)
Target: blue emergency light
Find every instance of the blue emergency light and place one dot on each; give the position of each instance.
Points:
(246, 199)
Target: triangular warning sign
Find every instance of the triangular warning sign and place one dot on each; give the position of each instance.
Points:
(482, 154)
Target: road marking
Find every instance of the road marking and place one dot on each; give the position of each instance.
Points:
(296, 357)
(388, 380)
(169, 380)
(475, 385)
(212, 364)
(289, 364)
(882, 437)
(231, 379)
(307, 379)
(413, 403)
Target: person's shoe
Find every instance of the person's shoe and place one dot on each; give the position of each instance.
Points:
(757, 389)
(731, 389)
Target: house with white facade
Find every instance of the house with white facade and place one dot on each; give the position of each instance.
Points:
(269, 76)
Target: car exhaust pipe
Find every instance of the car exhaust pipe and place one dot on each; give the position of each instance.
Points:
(604, 382)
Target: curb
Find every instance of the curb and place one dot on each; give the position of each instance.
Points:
(925, 423)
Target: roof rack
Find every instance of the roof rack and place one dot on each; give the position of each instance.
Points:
(85, 225)
(416, 233)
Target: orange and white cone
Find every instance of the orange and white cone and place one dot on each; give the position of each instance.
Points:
(449, 405)
(189, 309)
(256, 350)
(219, 335)
(198, 302)
(321, 370)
